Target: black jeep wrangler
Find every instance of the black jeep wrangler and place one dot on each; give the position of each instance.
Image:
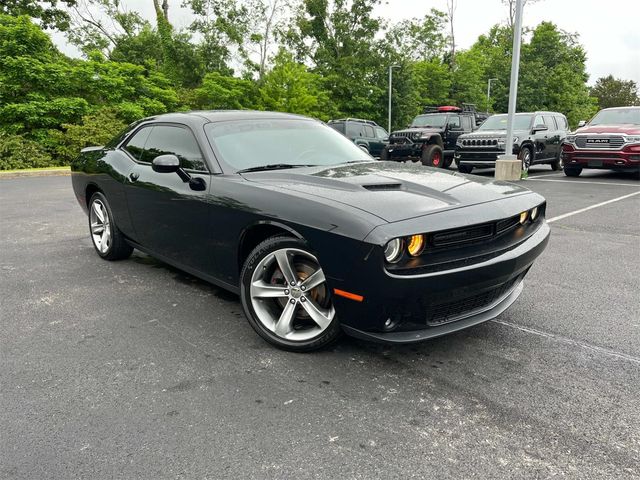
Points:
(431, 137)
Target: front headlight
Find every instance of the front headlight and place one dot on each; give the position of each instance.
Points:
(570, 139)
(534, 214)
(393, 250)
(632, 139)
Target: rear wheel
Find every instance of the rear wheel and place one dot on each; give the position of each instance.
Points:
(465, 168)
(105, 235)
(572, 171)
(286, 298)
(557, 164)
(384, 154)
(433, 156)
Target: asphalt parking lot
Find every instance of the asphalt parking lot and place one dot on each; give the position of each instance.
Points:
(134, 369)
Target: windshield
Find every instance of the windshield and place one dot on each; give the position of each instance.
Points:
(436, 120)
(255, 143)
(619, 116)
(499, 122)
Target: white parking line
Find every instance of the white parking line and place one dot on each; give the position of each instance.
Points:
(587, 346)
(580, 182)
(546, 175)
(575, 212)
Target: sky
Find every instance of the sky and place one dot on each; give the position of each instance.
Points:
(608, 30)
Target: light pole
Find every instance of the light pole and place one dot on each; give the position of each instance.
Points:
(391, 67)
(508, 167)
(489, 91)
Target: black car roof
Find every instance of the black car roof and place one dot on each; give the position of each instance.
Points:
(224, 115)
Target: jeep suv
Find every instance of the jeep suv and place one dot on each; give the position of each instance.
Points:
(367, 134)
(537, 137)
(611, 140)
(431, 137)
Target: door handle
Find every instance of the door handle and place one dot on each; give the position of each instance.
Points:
(134, 176)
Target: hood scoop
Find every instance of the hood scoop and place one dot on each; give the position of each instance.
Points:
(383, 187)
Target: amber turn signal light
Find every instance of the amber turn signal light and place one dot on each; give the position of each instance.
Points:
(415, 245)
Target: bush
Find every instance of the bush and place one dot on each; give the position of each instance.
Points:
(17, 151)
(96, 129)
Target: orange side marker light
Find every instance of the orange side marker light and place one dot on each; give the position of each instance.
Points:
(349, 295)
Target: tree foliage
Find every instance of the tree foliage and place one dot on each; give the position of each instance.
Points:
(615, 92)
(322, 58)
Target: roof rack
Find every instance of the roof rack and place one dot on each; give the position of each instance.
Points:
(349, 119)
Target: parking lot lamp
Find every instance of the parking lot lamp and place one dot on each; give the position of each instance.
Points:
(507, 165)
(391, 67)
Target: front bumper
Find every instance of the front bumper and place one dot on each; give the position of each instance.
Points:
(480, 158)
(400, 151)
(410, 308)
(627, 159)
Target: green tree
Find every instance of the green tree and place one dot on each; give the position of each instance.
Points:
(422, 39)
(224, 92)
(615, 92)
(289, 87)
(47, 11)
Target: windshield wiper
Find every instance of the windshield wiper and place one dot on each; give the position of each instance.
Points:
(272, 166)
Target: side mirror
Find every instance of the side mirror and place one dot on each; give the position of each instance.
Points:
(165, 164)
(540, 128)
(582, 123)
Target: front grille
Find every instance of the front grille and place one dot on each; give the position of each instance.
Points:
(403, 135)
(462, 235)
(480, 142)
(439, 314)
(612, 142)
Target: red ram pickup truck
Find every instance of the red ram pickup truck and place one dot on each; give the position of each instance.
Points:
(611, 140)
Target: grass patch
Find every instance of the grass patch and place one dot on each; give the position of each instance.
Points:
(40, 169)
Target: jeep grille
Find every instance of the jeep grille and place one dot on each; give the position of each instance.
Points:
(613, 142)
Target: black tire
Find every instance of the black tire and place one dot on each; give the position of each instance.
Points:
(115, 247)
(384, 154)
(557, 164)
(257, 257)
(465, 168)
(433, 156)
(526, 156)
(448, 162)
(572, 171)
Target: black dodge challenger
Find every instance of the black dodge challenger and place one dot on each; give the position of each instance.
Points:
(313, 234)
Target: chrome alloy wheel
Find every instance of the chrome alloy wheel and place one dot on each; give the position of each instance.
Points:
(526, 159)
(289, 295)
(101, 229)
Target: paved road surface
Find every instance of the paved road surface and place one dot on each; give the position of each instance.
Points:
(133, 369)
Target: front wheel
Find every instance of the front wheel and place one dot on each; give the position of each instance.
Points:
(525, 156)
(572, 171)
(384, 154)
(433, 156)
(286, 298)
(105, 235)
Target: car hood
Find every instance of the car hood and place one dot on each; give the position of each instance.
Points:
(492, 134)
(389, 190)
(629, 129)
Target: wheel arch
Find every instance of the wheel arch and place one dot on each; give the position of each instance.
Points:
(89, 190)
(258, 232)
(434, 140)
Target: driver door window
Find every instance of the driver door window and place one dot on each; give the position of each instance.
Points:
(178, 141)
(454, 122)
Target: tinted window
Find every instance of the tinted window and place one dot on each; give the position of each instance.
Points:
(368, 131)
(136, 144)
(550, 122)
(381, 132)
(562, 123)
(178, 141)
(337, 126)
(251, 143)
(499, 122)
(538, 121)
(454, 121)
(354, 129)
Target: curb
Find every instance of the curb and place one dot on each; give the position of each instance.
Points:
(35, 173)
